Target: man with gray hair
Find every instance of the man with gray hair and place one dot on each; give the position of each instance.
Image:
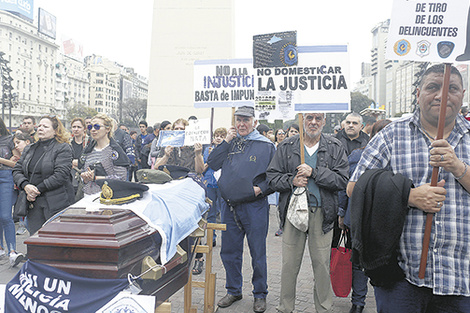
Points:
(324, 173)
(244, 156)
(352, 135)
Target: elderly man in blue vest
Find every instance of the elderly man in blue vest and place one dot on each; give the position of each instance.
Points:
(244, 156)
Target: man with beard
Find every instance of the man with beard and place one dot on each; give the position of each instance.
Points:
(324, 173)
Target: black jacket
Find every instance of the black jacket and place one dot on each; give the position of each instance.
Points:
(330, 175)
(379, 205)
(56, 169)
(351, 145)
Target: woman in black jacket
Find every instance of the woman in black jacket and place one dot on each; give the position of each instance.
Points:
(44, 173)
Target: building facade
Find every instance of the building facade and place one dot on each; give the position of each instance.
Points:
(105, 85)
(32, 59)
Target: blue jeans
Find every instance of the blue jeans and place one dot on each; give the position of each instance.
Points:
(359, 285)
(403, 297)
(7, 195)
(250, 220)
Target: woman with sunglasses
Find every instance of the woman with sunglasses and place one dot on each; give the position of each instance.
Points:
(279, 135)
(103, 157)
(43, 172)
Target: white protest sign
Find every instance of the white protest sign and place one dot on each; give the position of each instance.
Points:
(319, 83)
(126, 302)
(198, 131)
(429, 31)
(223, 83)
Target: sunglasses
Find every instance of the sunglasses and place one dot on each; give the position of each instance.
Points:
(50, 116)
(96, 126)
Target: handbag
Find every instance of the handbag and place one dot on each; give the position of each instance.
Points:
(22, 205)
(297, 212)
(341, 268)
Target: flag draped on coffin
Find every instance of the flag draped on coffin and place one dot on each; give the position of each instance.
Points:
(41, 288)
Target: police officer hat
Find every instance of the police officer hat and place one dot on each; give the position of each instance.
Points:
(245, 111)
(120, 192)
(175, 171)
(149, 176)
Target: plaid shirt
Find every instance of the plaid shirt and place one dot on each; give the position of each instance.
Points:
(402, 147)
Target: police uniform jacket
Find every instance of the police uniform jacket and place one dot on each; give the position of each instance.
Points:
(330, 175)
(121, 160)
(244, 164)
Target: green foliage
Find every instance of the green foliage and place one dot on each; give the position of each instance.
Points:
(79, 110)
(360, 102)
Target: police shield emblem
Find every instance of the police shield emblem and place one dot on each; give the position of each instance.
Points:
(445, 48)
(402, 47)
(423, 48)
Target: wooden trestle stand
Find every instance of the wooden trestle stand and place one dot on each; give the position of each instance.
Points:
(209, 281)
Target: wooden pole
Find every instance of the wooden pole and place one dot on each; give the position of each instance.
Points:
(212, 124)
(233, 116)
(301, 135)
(435, 170)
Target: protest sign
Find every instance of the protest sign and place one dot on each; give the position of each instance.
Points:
(429, 31)
(275, 49)
(126, 302)
(198, 131)
(174, 138)
(320, 82)
(223, 83)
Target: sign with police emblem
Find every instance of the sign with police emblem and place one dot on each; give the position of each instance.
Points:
(129, 303)
(429, 31)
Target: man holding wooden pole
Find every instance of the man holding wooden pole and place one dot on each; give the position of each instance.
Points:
(408, 146)
(319, 163)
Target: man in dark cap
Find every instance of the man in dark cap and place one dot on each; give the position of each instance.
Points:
(244, 156)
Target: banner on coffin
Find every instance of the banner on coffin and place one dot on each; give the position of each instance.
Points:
(223, 83)
(41, 288)
(429, 31)
(319, 83)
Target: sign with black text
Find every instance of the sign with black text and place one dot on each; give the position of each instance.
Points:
(319, 83)
(429, 31)
(223, 83)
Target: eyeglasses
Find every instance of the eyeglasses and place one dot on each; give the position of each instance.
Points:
(96, 126)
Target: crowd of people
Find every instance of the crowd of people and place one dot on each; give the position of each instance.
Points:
(369, 180)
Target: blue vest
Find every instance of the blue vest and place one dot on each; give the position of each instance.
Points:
(314, 197)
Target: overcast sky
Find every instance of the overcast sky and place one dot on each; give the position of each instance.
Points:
(120, 30)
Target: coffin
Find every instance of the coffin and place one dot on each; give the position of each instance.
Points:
(109, 243)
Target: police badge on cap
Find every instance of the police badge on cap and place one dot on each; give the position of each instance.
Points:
(120, 192)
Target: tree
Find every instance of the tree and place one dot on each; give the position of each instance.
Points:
(134, 109)
(359, 102)
(80, 110)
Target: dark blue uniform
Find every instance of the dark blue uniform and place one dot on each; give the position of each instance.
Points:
(244, 164)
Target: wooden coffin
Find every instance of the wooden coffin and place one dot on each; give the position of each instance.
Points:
(101, 244)
(108, 244)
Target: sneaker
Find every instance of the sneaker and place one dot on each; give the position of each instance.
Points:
(2, 253)
(16, 258)
(279, 232)
(21, 230)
